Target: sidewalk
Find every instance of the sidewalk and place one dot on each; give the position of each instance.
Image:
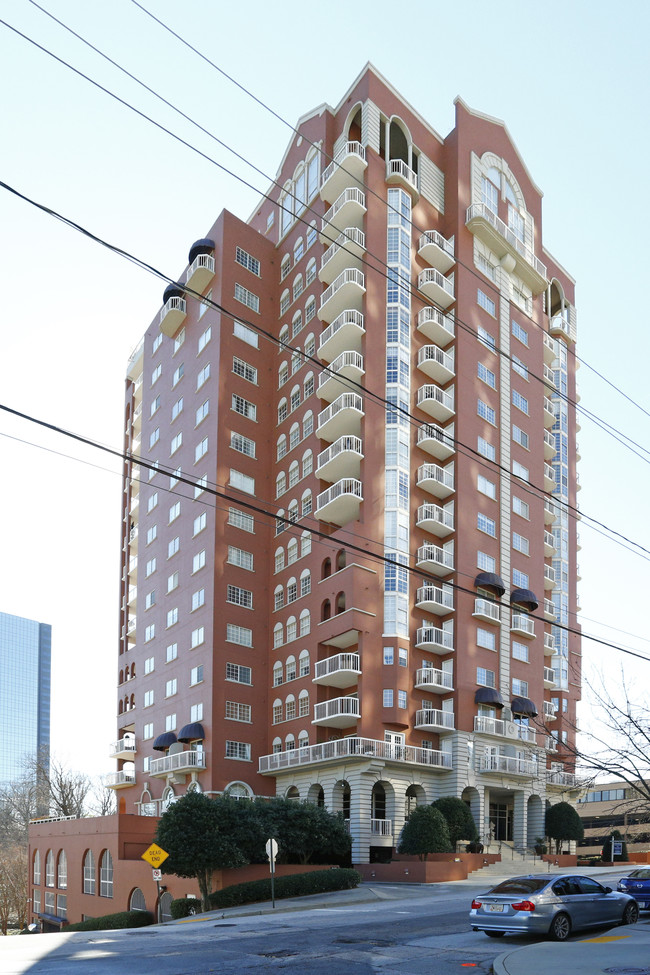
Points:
(624, 950)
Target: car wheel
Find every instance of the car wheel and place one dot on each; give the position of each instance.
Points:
(560, 928)
(630, 914)
(495, 934)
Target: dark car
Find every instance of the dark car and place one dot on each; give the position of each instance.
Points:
(549, 904)
(637, 883)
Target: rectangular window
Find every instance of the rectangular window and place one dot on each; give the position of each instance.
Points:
(487, 525)
(241, 519)
(200, 450)
(520, 543)
(156, 374)
(237, 556)
(172, 617)
(239, 674)
(519, 687)
(198, 561)
(148, 699)
(200, 522)
(177, 408)
(244, 369)
(203, 375)
(485, 677)
(486, 487)
(198, 599)
(244, 407)
(171, 653)
(485, 562)
(242, 481)
(238, 712)
(520, 579)
(486, 412)
(520, 471)
(154, 437)
(240, 597)
(246, 260)
(487, 376)
(173, 547)
(241, 635)
(520, 507)
(149, 632)
(519, 401)
(486, 338)
(170, 722)
(242, 444)
(519, 436)
(150, 599)
(172, 582)
(178, 374)
(150, 567)
(247, 298)
(202, 412)
(520, 333)
(486, 303)
(246, 334)
(147, 731)
(389, 653)
(204, 338)
(198, 637)
(196, 675)
(238, 749)
(157, 342)
(205, 303)
(486, 267)
(196, 712)
(388, 697)
(176, 443)
(520, 651)
(178, 341)
(520, 367)
(486, 449)
(155, 406)
(149, 665)
(485, 638)
(171, 687)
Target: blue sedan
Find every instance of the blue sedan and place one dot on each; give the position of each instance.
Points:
(637, 883)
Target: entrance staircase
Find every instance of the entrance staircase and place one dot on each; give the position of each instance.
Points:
(513, 863)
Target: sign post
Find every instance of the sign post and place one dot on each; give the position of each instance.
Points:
(155, 855)
(272, 852)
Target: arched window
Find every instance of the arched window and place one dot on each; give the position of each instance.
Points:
(310, 311)
(286, 208)
(308, 385)
(278, 638)
(305, 504)
(307, 424)
(294, 399)
(292, 511)
(341, 559)
(90, 873)
(281, 446)
(296, 324)
(290, 707)
(305, 582)
(280, 484)
(120, 709)
(294, 435)
(277, 745)
(36, 868)
(106, 874)
(137, 901)
(290, 668)
(121, 680)
(310, 341)
(310, 273)
(280, 523)
(307, 463)
(305, 622)
(284, 334)
(285, 266)
(326, 568)
(294, 473)
(292, 629)
(279, 559)
(283, 374)
(290, 744)
(166, 906)
(292, 551)
(239, 790)
(303, 739)
(132, 670)
(340, 603)
(278, 598)
(312, 233)
(292, 590)
(296, 362)
(285, 301)
(298, 250)
(49, 869)
(278, 711)
(292, 791)
(62, 871)
(304, 663)
(325, 610)
(132, 702)
(277, 674)
(298, 286)
(303, 704)
(283, 409)
(305, 544)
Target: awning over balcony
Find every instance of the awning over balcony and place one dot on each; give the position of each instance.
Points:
(523, 705)
(172, 291)
(203, 246)
(191, 732)
(488, 695)
(164, 741)
(524, 597)
(490, 580)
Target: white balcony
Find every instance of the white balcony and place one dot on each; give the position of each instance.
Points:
(434, 559)
(124, 748)
(435, 520)
(381, 828)
(346, 252)
(431, 719)
(563, 780)
(522, 625)
(399, 174)
(549, 544)
(179, 762)
(340, 503)
(437, 364)
(550, 511)
(344, 292)
(503, 729)
(436, 287)
(346, 211)
(550, 743)
(549, 378)
(134, 365)
(549, 610)
(549, 477)
(548, 412)
(436, 326)
(486, 610)
(334, 380)
(549, 577)
(549, 677)
(435, 599)
(346, 169)
(342, 670)
(340, 712)
(350, 749)
(436, 480)
(437, 402)
(436, 250)
(341, 459)
(508, 765)
(432, 679)
(550, 346)
(437, 441)
(559, 327)
(342, 417)
(433, 639)
(549, 445)
(344, 334)
(200, 273)
(550, 711)
(172, 315)
(119, 780)
(489, 228)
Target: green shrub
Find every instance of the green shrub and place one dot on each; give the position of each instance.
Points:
(185, 907)
(111, 922)
(298, 885)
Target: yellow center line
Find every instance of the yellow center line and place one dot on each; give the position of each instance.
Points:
(610, 937)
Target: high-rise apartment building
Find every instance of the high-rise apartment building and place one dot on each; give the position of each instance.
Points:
(25, 648)
(349, 508)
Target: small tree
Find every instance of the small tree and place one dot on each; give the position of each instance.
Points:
(14, 886)
(459, 819)
(606, 855)
(306, 832)
(563, 823)
(425, 832)
(192, 832)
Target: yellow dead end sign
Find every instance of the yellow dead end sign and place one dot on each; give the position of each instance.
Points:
(155, 855)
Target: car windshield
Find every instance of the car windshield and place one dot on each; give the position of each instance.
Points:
(640, 874)
(520, 885)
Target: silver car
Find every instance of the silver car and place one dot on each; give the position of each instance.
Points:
(553, 905)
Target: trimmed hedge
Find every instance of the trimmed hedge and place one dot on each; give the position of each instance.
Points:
(185, 907)
(111, 922)
(297, 885)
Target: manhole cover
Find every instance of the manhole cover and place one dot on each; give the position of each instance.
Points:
(627, 971)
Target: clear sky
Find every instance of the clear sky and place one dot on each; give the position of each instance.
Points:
(569, 78)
